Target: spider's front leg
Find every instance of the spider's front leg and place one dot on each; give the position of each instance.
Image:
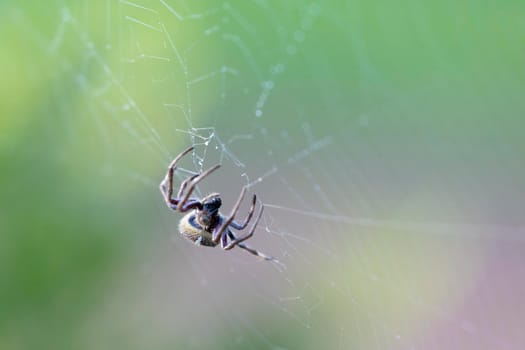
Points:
(184, 184)
(182, 203)
(191, 203)
(194, 181)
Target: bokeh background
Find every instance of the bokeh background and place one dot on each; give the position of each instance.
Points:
(384, 138)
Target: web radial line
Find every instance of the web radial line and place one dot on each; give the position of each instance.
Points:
(132, 4)
(123, 91)
(435, 228)
(172, 10)
(144, 24)
(182, 63)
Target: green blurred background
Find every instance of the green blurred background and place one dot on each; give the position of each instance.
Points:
(385, 138)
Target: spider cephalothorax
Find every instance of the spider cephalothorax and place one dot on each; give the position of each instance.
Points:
(204, 224)
(209, 215)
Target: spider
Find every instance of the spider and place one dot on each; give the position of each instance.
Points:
(204, 225)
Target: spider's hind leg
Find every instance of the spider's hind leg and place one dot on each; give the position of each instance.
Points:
(254, 251)
(242, 226)
(248, 235)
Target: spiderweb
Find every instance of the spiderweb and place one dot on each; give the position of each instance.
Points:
(384, 245)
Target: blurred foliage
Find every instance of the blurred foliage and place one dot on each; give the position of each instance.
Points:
(69, 220)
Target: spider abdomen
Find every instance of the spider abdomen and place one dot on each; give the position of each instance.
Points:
(191, 230)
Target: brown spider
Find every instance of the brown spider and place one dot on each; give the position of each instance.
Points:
(205, 225)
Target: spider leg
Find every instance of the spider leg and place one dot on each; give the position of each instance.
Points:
(219, 230)
(194, 183)
(184, 184)
(224, 239)
(256, 252)
(181, 188)
(251, 250)
(217, 233)
(242, 226)
(192, 203)
(169, 179)
(246, 236)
